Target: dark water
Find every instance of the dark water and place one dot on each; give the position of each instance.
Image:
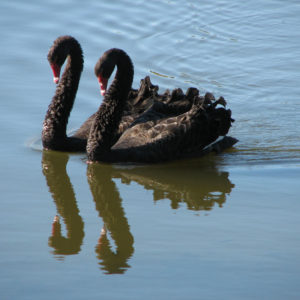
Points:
(219, 227)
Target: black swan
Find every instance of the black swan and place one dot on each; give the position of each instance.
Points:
(54, 136)
(168, 130)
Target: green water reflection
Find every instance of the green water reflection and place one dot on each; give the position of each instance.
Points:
(109, 206)
(197, 184)
(54, 169)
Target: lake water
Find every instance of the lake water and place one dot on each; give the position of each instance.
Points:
(219, 227)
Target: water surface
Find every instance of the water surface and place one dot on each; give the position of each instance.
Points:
(219, 227)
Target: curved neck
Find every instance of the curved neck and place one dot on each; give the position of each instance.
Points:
(109, 114)
(56, 119)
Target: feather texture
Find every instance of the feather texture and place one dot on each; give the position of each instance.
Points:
(173, 127)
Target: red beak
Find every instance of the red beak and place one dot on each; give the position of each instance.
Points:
(103, 84)
(56, 72)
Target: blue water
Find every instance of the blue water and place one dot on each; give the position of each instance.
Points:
(219, 227)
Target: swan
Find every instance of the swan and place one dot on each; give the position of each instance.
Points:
(170, 129)
(54, 136)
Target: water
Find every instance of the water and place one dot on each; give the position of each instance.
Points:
(219, 227)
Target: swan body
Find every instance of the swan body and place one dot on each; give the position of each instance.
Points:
(174, 127)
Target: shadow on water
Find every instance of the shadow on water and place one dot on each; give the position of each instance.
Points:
(197, 183)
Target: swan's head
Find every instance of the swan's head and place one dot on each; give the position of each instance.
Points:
(103, 71)
(105, 66)
(57, 56)
(61, 48)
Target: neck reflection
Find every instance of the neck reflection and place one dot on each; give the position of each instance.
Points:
(54, 169)
(200, 186)
(109, 206)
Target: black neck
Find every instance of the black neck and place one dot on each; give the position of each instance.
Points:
(108, 116)
(56, 119)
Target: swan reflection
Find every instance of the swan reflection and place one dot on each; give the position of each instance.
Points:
(197, 183)
(54, 169)
(109, 206)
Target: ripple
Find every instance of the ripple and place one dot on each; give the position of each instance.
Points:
(247, 55)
